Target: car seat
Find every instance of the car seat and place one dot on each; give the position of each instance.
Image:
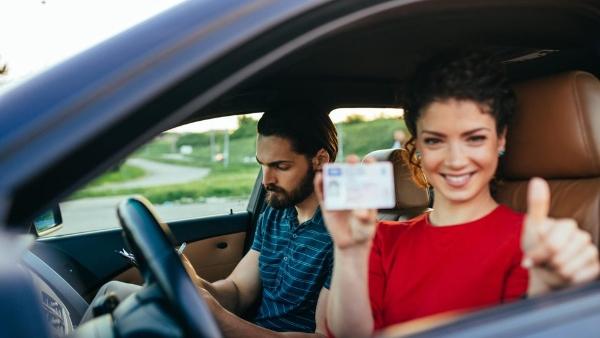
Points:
(555, 134)
(411, 200)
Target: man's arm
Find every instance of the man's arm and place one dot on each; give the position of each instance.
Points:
(321, 311)
(233, 326)
(239, 290)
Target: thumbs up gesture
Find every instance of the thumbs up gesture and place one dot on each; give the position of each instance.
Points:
(556, 252)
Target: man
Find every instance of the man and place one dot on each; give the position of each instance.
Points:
(288, 268)
(399, 138)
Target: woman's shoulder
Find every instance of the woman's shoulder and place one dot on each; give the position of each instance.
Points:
(506, 213)
(506, 220)
(399, 226)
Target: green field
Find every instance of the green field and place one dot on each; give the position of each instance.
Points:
(235, 181)
(363, 137)
(119, 174)
(238, 178)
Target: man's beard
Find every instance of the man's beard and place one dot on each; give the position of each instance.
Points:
(278, 198)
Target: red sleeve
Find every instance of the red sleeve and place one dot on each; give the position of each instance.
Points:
(377, 279)
(328, 331)
(517, 278)
(516, 284)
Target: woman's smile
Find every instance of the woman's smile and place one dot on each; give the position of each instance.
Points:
(459, 149)
(458, 180)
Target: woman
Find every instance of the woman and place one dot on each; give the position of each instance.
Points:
(469, 251)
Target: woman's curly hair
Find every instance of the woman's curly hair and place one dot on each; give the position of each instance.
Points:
(472, 75)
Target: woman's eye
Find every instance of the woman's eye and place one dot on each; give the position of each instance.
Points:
(476, 138)
(432, 141)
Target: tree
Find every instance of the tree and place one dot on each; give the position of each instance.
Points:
(3, 66)
(354, 118)
(247, 128)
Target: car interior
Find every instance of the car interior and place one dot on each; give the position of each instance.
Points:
(411, 200)
(353, 54)
(555, 135)
(568, 102)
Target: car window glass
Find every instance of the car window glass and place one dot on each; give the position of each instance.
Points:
(200, 169)
(209, 168)
(362, 130)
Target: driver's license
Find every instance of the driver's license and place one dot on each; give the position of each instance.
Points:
(358, 186)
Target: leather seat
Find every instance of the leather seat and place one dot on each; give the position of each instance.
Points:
(556, 135)
(411, 200)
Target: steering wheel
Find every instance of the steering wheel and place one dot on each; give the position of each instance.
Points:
(153, 245)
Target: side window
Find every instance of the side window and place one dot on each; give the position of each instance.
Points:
(201, 169)
(362, 130)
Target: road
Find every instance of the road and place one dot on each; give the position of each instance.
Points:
(90, 214)
(157, 174)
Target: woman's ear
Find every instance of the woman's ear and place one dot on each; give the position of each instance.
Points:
(502, 141)
(320, 159)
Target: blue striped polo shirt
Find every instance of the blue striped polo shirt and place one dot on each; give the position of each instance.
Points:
(295, 263)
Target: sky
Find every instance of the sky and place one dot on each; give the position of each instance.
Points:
(337, 115)
(36, 34)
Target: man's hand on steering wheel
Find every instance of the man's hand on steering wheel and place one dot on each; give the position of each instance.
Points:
(152, 243)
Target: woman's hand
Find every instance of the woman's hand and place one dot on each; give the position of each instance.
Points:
(556, 251)
(348, 228)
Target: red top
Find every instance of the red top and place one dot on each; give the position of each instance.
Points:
(417, 269)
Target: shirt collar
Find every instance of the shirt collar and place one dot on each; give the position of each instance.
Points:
(292, 216)
(317, 217)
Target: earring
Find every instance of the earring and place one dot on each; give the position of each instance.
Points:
(501, 152)
(418, 153)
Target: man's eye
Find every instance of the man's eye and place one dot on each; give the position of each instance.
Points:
(283, 167)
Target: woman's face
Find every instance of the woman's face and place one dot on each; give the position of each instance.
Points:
(459, 150)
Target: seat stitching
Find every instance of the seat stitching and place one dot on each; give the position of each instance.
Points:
(580, 119)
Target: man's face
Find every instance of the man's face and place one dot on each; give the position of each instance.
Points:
(287, 175)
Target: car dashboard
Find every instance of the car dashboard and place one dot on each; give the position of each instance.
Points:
(62, 307)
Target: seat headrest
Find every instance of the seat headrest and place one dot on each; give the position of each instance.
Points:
(408, 194)
(568, 146)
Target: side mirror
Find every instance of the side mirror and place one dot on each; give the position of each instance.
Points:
(48, 222)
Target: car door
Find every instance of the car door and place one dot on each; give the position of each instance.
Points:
(100, 128)
(207, 188)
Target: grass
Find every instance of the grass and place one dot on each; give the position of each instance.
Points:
(124, 173)
(362, 138)
(234, 181)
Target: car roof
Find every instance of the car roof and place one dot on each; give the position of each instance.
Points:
(368, 61)
(207, 59)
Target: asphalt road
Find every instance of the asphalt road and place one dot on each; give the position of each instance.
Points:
(91, 214)
(158, 174)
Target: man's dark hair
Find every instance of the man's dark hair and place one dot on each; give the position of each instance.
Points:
(307, 127)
